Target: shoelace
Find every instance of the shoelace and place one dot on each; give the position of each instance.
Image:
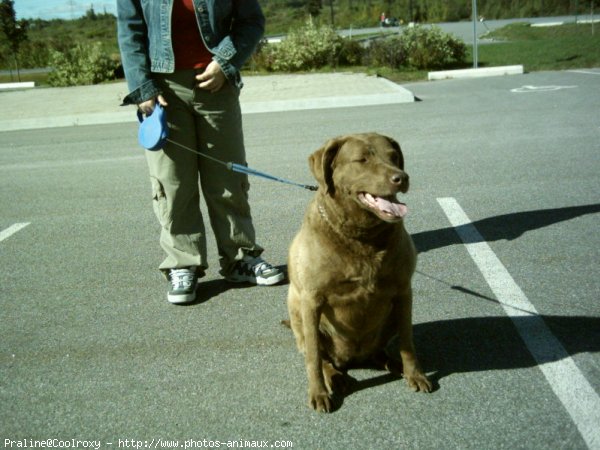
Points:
(181, 278)
(262, 268)
(258, 266)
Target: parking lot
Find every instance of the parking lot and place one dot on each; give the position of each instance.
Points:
(503, 208)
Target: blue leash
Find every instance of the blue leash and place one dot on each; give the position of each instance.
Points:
(234, 167)
(154, 132)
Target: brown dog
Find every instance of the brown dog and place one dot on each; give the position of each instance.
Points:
(350, 267)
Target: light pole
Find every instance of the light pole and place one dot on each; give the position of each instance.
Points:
(475, 55)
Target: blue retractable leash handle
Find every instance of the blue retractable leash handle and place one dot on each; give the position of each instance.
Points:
(153, 134)
(153, 131)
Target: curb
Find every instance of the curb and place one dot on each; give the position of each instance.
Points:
(68, 121)
(327, 102)
(20, 85)
(476, 73)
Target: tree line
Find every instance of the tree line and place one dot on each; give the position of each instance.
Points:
(364, 12)
(31, 43)
(34, 43)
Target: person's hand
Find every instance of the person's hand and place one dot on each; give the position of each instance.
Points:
(212, 79)
(148, 106)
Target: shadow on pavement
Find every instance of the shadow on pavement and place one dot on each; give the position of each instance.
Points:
(492, 343)
(507, 226)
(213, 288)
(481, 344)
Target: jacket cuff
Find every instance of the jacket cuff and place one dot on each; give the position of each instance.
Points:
(230, 71)
(146, 91)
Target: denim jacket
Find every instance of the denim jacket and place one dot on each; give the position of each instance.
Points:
(231, 29)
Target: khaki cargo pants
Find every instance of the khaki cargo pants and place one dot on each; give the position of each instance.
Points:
(212, 124)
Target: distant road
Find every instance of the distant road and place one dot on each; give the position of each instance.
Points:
(464, 30)
(26, 71)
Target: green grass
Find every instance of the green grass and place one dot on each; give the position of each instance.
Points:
(38, 78)
(562, 47)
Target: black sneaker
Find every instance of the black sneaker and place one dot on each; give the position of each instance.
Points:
(183, 285)
(255, 271)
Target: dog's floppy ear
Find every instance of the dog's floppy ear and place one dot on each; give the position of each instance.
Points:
(321, 163)
(396, 147)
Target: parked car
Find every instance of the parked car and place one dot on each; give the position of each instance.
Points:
(391, 22)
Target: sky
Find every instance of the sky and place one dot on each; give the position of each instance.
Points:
(60, 9)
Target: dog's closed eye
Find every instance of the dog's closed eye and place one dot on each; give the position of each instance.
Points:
(363, 156)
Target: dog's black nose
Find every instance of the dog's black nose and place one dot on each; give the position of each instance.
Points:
(397, 179)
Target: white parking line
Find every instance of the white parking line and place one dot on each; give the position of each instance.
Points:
(568, 383)
(5, 234)
(526, 89)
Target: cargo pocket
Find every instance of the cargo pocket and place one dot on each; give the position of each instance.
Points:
(159, 202)
(246, 187)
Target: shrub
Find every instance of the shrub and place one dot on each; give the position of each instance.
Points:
(79, 65)
(305, 48)
(417, 48)
(260, 58)
(351, 53)
(312, 47)
(431, 48)
(34, 54)
(389, 52)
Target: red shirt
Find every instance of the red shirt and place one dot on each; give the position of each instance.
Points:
(188, 46)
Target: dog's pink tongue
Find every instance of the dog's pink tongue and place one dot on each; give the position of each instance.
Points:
(395, 208)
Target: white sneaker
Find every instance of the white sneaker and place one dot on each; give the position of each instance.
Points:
(183, 285)
(255, 271)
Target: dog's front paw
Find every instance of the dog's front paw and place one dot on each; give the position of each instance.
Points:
(418, 381)
(320, 401)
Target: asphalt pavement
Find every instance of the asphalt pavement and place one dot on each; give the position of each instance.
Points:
(503, 208)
